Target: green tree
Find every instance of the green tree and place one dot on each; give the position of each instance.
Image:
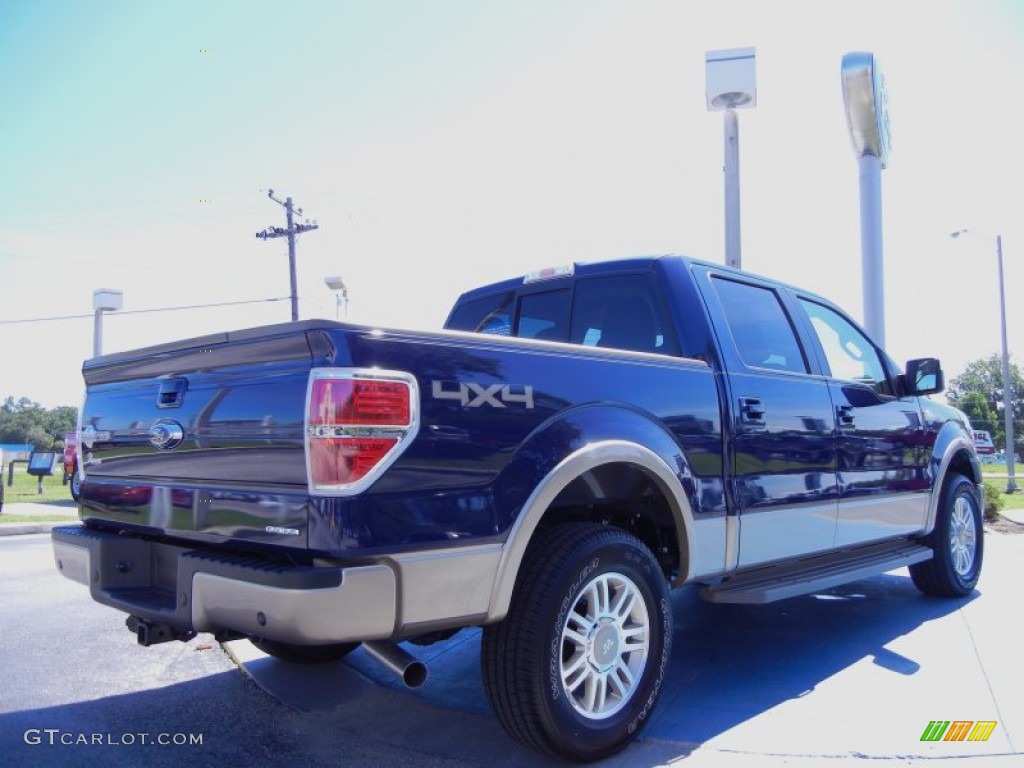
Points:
(979, 412)
(25, 421)
(985, 377)
(38, 437)
(61, 420)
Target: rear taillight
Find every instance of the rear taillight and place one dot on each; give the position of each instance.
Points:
(357, 423)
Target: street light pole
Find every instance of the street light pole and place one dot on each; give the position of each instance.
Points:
(731, 84)
(1011, 453)
(103, 300)
(1011, 474)
(731, 135)
(337, 285)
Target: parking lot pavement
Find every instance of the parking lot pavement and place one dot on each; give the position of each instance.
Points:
(851, 674)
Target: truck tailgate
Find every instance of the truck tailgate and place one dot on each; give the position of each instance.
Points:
(202, 438)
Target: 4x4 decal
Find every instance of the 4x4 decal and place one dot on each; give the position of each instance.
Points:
(473, 395)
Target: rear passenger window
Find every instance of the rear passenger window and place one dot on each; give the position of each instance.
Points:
(491, 314)
(760, 327)
(544, 316)
(621, 312)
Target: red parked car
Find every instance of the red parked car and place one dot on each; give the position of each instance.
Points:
(71, 464)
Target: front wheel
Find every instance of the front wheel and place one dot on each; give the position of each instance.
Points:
(576, 667)
(957, 543)
(76, 486)
(303, 654)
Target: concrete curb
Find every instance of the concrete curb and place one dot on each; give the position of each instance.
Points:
(18, 529)
(1015, 515)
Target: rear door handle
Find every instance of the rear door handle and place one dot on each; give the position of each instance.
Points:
(752, 411)
(844, 415)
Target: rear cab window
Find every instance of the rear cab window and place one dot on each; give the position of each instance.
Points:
(621, 312)
(617, 311)
(491, 314)
(544, 316)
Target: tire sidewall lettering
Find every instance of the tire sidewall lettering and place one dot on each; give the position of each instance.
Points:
(554, 651)
(666, 651)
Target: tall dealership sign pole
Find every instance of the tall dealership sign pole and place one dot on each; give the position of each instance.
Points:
(731, 82)
(867, 117)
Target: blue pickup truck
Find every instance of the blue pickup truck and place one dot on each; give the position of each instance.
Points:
(575, 444)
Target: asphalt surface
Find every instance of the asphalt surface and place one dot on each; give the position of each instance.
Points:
(851, 676)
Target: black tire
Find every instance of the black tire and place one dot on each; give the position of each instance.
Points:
(527, 657)
(958, 543)
(76, 485)
(303, 654)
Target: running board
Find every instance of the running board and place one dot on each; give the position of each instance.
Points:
(812, 574)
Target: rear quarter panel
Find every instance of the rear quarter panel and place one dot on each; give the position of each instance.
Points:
(526, 406)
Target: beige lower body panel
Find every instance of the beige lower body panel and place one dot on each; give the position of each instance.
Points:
(361, 608)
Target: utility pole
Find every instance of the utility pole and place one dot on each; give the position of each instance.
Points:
(290, 231)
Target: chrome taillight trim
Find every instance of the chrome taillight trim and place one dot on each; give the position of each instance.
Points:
(404, 434)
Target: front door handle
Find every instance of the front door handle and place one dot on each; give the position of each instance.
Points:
(844, 415)
(752, 411)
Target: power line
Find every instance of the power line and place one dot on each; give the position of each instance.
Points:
(145, 311)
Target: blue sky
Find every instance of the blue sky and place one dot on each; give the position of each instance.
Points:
(449, 143)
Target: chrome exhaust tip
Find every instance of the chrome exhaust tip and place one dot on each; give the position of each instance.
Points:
(411, 670)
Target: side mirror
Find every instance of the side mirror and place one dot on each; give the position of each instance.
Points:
(924, 376)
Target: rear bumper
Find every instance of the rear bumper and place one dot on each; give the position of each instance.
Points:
(193, 589)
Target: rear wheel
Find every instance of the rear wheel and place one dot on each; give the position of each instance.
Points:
(76, 485)
(303, 654)
(576, 667)
(957, 543)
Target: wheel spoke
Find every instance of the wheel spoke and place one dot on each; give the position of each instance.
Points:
(600, 692)
(621, 679)
(579, 620)
(575, 673)
(634, 635)
(577, 639)
(624, 604)
(589, 694)
(593, 600)
(603, 589)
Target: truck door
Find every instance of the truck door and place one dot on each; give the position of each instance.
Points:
(882, 445)
(783, 450)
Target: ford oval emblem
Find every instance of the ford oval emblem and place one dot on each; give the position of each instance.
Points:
(166, 434)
